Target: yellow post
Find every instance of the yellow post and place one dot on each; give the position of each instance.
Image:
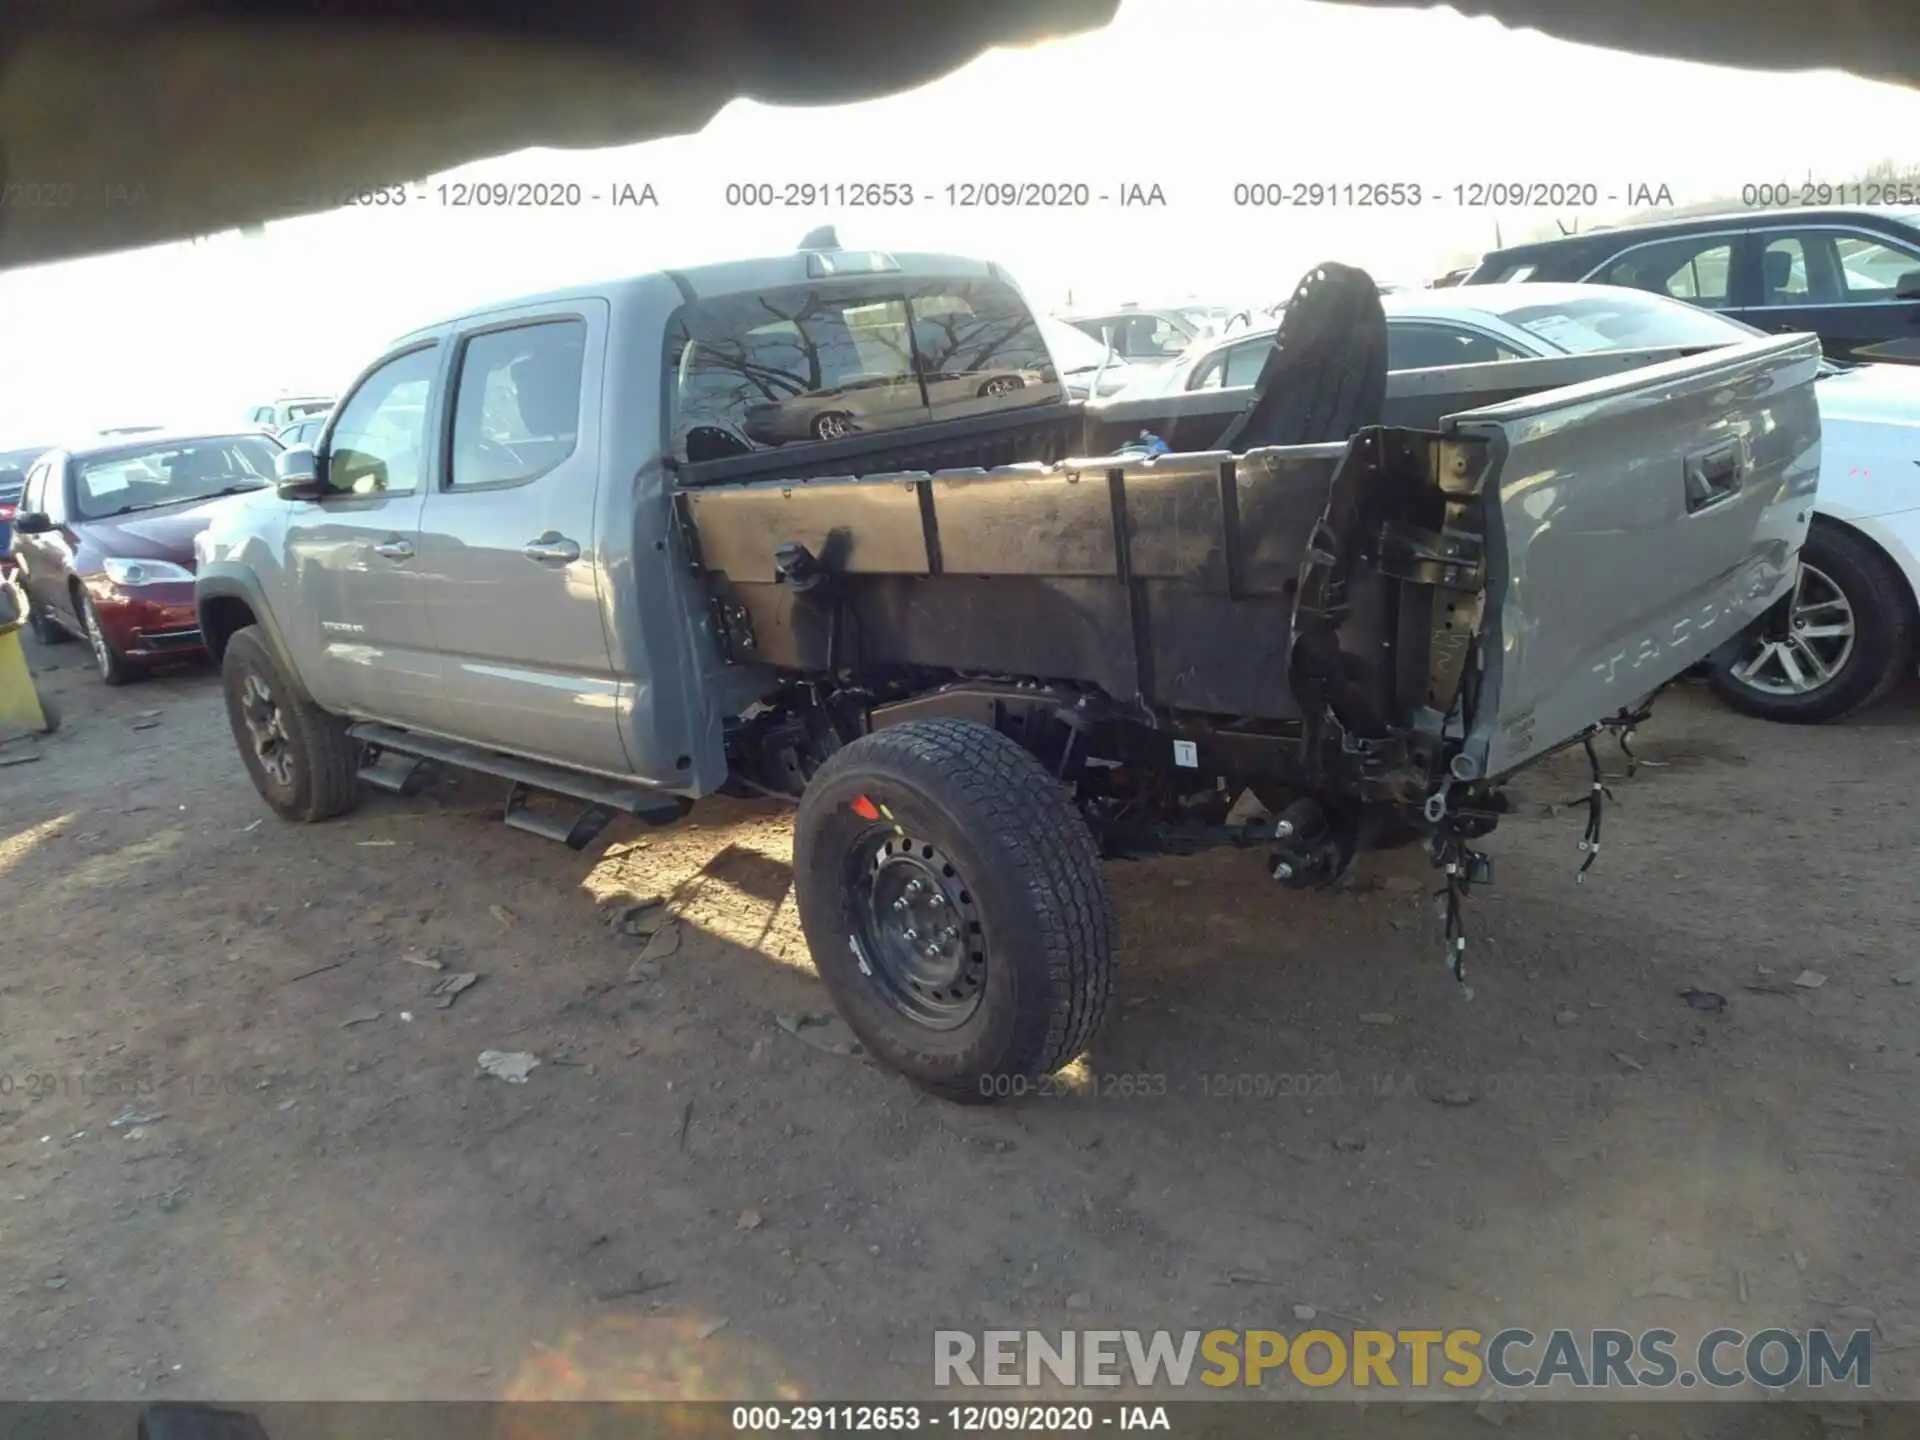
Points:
(20, 707)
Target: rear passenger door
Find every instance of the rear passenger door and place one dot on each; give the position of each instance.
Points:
(512, 553)
(1842, 284)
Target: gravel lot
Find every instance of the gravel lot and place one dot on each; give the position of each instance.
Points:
(245, 1153)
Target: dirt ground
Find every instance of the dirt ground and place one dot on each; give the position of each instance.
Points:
(244, 1153)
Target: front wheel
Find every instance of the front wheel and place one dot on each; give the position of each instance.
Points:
(300, 758)
(113, 667)
(956, 908)
(1841, 640)
(42, 626)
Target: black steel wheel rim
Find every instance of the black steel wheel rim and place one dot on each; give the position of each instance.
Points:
(916, 932)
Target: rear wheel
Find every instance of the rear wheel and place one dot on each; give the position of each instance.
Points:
(300, 758)
(834, 425)
(1841, 640)
(956, 908)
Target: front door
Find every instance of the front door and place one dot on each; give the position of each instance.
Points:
(46, 559)
(359, 616)
(511, 549)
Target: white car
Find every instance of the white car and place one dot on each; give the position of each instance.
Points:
(1086, 366)
(1849, 634)
(289, 408)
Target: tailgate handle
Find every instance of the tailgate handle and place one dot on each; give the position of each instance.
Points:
(1715, 474)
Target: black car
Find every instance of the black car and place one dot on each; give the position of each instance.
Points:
(1852, 277)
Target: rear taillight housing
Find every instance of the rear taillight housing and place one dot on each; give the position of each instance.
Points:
(6, 512)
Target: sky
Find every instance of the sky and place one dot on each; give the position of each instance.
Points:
(1194, 97)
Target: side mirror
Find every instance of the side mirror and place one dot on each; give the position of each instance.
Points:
(1907, 287)
(32, 522)
(302, 475)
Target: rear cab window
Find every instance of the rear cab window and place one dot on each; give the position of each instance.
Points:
(811, 364)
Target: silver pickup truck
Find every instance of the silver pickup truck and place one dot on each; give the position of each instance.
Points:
(826, 527)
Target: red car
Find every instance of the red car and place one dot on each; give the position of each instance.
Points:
(103, 536)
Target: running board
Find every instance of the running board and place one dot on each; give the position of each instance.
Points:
(397, 774)
(602, 798)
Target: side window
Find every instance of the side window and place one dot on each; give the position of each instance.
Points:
(379, 442)
(978, 349)
(1095, 330)
(1694, 268)
(1149, 337)
(263, 415)
(1871, 269)
(1431, 347)
(1785, 275)
(53, 499)
(1245, 361)
(517, 409)
(1210, 375)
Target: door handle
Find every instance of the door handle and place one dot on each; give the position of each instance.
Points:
(551, 547)
(395, 549)
(1715, 474)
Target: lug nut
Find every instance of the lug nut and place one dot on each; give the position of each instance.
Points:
(937, 900)
(912, 934)
(899, 904)
(1283, 871)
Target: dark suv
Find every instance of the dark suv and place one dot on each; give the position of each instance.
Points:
(1852, 277)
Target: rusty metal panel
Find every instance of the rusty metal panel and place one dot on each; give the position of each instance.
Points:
(1026, 520)
(869, 526)
(1177, 519)
(1282, 493)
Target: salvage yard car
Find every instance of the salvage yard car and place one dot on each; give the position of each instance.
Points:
(534, 541)
(104, 538)
(1850, 276)
(1851, 631)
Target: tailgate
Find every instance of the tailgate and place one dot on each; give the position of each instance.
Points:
(1633, 525)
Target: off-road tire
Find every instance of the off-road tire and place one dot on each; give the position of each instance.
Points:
(1033, 878)
(1884, 635)
(324, 760)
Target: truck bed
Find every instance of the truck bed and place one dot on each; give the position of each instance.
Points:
(1556, 534)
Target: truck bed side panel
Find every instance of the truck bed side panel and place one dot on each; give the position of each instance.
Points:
(1637, 525)
(1167, 579)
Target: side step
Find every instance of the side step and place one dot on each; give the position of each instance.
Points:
(405, 760)
(397, 774)
(576, 835)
